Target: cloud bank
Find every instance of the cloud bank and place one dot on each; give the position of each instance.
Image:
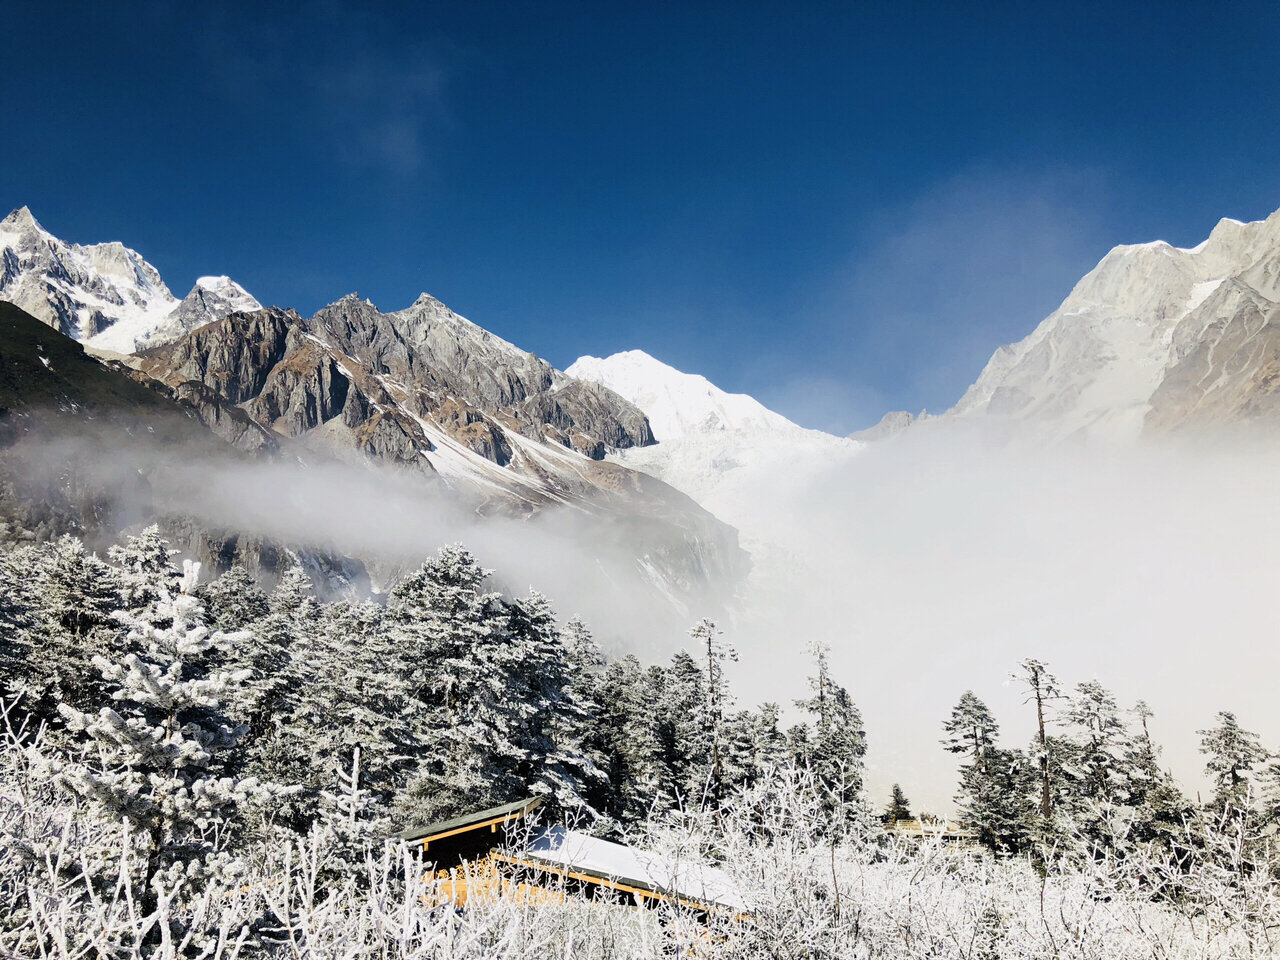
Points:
(932, 564)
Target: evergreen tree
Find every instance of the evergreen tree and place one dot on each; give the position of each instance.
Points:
(1042, 690)
(353, 823)
(996, 799)
(1233, 753)
(772, 751)
(714, 652)
(162, 753)
(629, 724)
(995, 784)
(234, 600)
(277, 655)
(555, 726)
(66, 615)
(17, 615)
(585, 686)
(462, 670)
(971, 729)
(293, 597)
(146, 569)
(834, 742)
(341, 696)
(679, 700)
(899, 807)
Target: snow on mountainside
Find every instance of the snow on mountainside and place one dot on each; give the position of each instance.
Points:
(1155, 337)
(103, 294)
(722, 449)
(676, 403)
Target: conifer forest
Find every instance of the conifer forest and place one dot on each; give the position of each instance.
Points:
(201, 768)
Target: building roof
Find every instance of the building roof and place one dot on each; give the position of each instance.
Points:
(584, 857)
(471, 821)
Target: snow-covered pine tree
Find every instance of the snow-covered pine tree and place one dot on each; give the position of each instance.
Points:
(629, 724)
(899, 807)
(557, 727)
(293, 595)
(679, 702)
(348, 696)
(146, 569)
(17, 614)
(234, 600)
(1161, 810)
(1101, 781)
(586, 687)
(353, 824)
(714, 652)
(1233, 753)
(740, 751)
(453, 639)
(1042, 690)
(770, 741)
(158, 760)
(1100, 772)
(998, 799)
(69, 596)
(995, 784)
(834, 741)
(269, 649)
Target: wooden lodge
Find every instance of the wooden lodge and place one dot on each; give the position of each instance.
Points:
(472, 837)
(483, 855)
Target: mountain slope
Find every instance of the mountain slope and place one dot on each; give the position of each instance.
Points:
(1154, 338)
(724, 450)
(421, 389)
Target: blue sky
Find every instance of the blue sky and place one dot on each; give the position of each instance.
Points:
(840, 208)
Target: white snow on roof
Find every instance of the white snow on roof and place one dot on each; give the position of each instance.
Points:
(571, 850)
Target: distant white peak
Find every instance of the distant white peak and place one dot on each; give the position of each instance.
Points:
(676, 403)
(237, 297)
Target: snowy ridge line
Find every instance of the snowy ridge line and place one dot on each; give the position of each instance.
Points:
(1105, 359)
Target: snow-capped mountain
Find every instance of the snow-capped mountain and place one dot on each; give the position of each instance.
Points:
(103, 294)
(722, 449)
(676, 403)
(1155, 337)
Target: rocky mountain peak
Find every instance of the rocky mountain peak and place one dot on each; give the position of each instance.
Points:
(21, 220)
(105, 294)
(1112, 360)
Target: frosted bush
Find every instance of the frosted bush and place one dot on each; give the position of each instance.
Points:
(65, 892)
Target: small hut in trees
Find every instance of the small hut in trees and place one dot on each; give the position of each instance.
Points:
(491, 853)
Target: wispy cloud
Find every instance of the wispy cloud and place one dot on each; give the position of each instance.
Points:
(377, 96)
(935, 285)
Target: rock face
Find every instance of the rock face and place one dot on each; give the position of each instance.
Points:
(421, 387)
(430, 354)
(104, 293)
(1155, 338)
(211, 298)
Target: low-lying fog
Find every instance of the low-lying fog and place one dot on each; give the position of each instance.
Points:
(931, 564)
